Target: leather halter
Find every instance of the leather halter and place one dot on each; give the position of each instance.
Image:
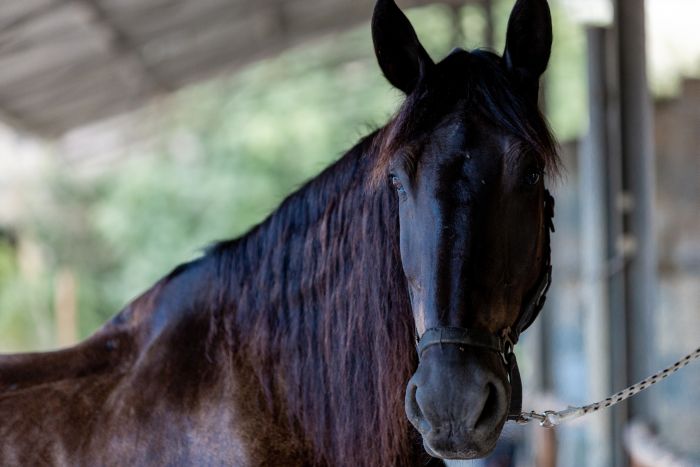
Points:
(504, 343)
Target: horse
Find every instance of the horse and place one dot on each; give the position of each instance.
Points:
(369, 320)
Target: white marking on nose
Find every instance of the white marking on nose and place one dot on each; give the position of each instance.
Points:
(419, 318)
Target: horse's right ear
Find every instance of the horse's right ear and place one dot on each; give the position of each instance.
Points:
(401, 56)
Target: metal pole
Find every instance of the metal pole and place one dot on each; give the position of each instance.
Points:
(457, 35)
(595, 202)
(639, 186)
(615, 233)
(489, 33)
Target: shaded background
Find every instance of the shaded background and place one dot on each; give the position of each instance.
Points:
(95, 207)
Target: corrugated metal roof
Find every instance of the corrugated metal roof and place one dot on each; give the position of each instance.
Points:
(66, 63)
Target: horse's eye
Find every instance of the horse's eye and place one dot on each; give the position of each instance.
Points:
(533, 177)
(396, 183)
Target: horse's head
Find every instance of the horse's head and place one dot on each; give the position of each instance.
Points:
(466, 155)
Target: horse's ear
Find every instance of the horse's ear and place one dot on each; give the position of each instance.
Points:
(529, 42)
(401, 56)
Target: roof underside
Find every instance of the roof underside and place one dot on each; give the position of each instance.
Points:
(66, 63)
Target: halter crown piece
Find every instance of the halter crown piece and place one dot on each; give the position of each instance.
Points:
(505, 342)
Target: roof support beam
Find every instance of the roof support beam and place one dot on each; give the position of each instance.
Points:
(123, 46)
(18, 22)
(18, 123)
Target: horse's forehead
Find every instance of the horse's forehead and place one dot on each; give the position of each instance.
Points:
(465, 135)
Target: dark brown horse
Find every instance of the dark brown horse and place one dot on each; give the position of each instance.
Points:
(296, 343)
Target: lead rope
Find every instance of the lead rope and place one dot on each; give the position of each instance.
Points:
(550, 418)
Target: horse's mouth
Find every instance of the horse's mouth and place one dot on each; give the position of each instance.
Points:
(457, 444)
(467, 453)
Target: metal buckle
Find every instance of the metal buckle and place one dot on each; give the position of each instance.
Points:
(526, 417)
(508, 345)
(547, 419)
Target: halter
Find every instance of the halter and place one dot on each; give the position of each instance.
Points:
(504, 343)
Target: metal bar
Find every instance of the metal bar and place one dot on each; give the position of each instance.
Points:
(639, 184)
(595, 202)
(456, 17)
(489, 31)
(615, 231)
(19, 122)
(18, 22)
(122, 45)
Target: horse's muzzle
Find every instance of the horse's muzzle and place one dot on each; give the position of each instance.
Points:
(458, 401)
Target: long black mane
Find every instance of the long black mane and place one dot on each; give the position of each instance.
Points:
(316, 299)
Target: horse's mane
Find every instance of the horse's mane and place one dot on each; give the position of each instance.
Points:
(316, 296)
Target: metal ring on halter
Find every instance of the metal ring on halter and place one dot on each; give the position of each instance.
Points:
(508, 345)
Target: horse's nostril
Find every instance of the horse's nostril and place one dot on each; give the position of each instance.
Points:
(489, 411)
(413, 410)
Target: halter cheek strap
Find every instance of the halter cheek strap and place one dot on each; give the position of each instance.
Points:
(528, 316)
(504, 343)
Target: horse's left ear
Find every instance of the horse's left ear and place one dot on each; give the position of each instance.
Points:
(400, 54)
(529, 42)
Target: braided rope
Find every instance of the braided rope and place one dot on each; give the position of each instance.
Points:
(551, 418)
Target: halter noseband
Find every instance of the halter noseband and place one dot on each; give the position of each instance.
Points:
(504, 343)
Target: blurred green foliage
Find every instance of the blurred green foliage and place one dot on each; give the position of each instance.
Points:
(227, 154)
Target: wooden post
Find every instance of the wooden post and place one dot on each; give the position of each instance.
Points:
(65, 307)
